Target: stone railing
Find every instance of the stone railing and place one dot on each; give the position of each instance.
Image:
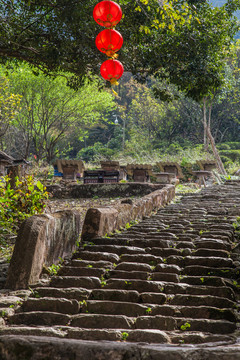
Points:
(105, 220)
(42, 239)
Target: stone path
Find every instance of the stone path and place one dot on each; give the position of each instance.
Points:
(171, 279)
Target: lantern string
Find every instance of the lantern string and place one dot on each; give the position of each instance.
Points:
(111, 55)
(114, 81)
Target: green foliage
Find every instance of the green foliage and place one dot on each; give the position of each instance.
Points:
(148, 310)
(52, 113)
(185, 326)
(124, 336)
(184, 41)
(17, 204)
(9, 105)
(95, 152)
(53, 269)
(233, 155)
(223, 146)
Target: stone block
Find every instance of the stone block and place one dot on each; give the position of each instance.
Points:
(42, 239)
(98, 222)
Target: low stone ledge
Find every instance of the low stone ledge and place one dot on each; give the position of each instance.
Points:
(81, 191)
(42, 239)
(101, 221)
(37, 348)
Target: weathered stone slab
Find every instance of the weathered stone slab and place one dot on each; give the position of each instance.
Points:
(99, 222)
(42, 239)
(99, 321)
(66, 293)
(80, 281)
(115, 295)
(59, 305)
(16, 347)
(44, 318)
(116, 308)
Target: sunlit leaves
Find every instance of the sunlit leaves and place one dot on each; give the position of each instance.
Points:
(9, 105)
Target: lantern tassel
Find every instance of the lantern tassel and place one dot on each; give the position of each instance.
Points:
(115, 93)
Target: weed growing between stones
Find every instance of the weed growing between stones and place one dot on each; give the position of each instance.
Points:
(185, 326)
(124, 336)
(53, 269)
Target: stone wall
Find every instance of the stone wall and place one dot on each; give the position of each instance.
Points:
(105, 220)
(42, 239)
(81, 191)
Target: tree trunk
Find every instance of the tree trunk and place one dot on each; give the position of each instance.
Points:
(215, 152)
(209, 123)
(205, 125)
(209, 138)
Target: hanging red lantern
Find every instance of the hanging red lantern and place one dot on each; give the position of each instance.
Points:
(112, 70)
(107, 13)
(109, 42)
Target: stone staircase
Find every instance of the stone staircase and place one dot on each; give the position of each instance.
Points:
(173, 278)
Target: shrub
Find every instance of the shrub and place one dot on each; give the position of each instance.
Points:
(233, 155)
(234, 145)
(225, 159)
(223, 147)
(17, 204)
(92, 153)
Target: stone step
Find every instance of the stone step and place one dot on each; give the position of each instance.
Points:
(208, 243)
(142, 258)
(195, 312)
(169, 323)
(151, 336)
(220, 233)
(116, 295)
(71, 281)
(113, 249)
(204, 270)
(99, 321)
(161, 243)
(165, 252)
(94, 264)
(42, 318)
(208, 280)
(115, 308)
(166, 268)
(133, 284)
(66, 293)
(97, 256)
(201, 300)
(210, 253)
(201, 261)
(81, 271)
(191, 337)
(56, 305)
(112, 240)
(216, 237)
(48, 331)
(119, 274)
(166, 277)
(220, 291)
(7, 301)
(133, 266)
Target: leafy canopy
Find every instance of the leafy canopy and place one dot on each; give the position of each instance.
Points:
(184, 41)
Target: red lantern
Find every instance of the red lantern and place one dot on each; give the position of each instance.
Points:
(112, 70)
(107, 14)
(109, 42)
